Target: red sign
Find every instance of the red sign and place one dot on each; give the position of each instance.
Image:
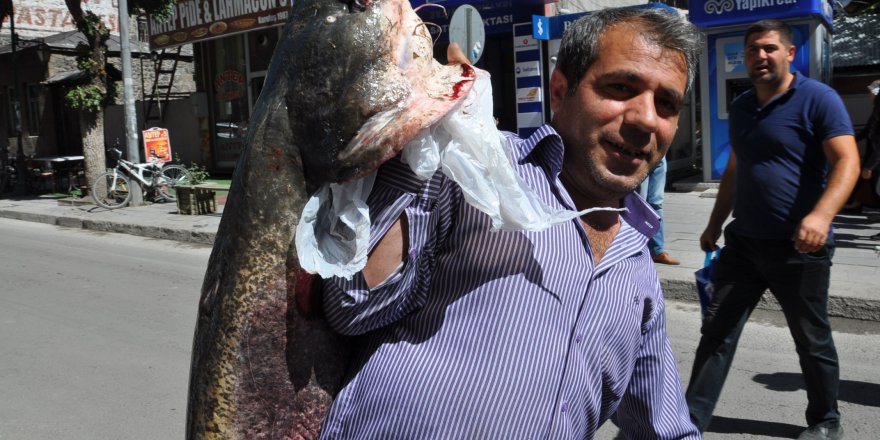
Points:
(199, 20)
(157, 145)
(229, 85)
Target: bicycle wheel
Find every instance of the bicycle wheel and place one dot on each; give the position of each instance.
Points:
(170, 177)
(111, 190)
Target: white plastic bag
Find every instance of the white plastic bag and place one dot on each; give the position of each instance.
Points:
(334, 229)
(468, 147)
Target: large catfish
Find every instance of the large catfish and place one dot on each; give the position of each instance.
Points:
(349, 85)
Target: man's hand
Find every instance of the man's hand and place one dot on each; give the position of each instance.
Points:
(709, 238)
(454, 55)
(811, 233)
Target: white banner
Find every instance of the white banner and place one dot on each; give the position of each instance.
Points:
(41, 18)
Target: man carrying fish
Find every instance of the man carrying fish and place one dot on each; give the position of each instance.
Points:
(463, 331)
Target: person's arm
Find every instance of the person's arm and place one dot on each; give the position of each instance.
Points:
(873, 160)
(723, 206)
(390, 251)
(407, 215)
(654, 405)
(408, 224)
(843, 159)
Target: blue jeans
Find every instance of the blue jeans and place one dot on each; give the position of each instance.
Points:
(745, 269)
(651, 190)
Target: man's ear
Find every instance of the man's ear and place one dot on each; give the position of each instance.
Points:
(558, 90)
(791, 51)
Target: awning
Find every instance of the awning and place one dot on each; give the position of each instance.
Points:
(69, 77)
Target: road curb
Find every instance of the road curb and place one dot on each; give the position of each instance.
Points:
(29, 217)
(674, 288)
(838, 306)
(160, 232)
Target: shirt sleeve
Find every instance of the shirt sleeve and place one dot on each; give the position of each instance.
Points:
(350, 306)
(654, 406)
(831, 118)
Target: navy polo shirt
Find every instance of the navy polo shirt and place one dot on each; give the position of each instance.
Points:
(781, 168)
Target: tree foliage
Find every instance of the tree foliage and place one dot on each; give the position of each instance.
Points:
(93, 56)
(92, 97)
(860, 7)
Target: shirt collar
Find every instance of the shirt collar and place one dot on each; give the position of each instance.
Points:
(795, 83)
(545, 148)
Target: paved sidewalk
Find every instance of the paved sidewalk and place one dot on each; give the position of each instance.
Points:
(855, 274)
(855, 284)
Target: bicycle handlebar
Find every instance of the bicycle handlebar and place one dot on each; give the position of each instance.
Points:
(153, 160)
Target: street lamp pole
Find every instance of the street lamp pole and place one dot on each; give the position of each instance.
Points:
(20, 184)
(131, 138)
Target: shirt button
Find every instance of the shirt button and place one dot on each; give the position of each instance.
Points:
(578, 339)
(564, 407)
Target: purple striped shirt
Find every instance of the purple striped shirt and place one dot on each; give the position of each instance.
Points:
(485, 334)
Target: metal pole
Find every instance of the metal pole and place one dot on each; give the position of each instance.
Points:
(468, 50)
(20, 168)
(143, 83)
(131, 138)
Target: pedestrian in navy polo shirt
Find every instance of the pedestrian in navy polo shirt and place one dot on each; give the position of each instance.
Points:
(792, 166)
(464, 332)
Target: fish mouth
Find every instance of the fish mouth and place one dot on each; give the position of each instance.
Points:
(425, 91)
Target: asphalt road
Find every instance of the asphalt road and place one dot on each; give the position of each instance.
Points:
(95, 332)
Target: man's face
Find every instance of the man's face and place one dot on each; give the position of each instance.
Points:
(768, 58)
(622, 117)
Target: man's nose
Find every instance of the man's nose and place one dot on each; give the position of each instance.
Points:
(642, 113)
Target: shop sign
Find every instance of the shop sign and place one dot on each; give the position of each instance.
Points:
(199, 20)
(157, 144)
(528, 58)
(527, 69)
(41, 18)
(552, 28)
(713, 13)
(529, 94)
(498, 15)
(229, 85)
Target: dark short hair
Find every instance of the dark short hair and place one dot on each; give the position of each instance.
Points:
(781, 27)
(665, 27)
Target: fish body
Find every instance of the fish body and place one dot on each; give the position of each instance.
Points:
(348, 86)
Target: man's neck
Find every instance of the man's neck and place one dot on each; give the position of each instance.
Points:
(766, 92)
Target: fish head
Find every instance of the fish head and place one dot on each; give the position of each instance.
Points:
(362, 83)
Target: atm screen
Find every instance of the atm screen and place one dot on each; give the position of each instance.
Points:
(736, 87)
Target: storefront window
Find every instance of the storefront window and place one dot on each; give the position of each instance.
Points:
(229, 99)
(261, 44)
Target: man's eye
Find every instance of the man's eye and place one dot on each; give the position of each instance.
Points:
(619, 90)
(669, 107)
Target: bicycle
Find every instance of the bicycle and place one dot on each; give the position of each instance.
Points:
(112, 189)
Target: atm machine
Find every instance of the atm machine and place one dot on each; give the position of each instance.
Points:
(722, 72)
